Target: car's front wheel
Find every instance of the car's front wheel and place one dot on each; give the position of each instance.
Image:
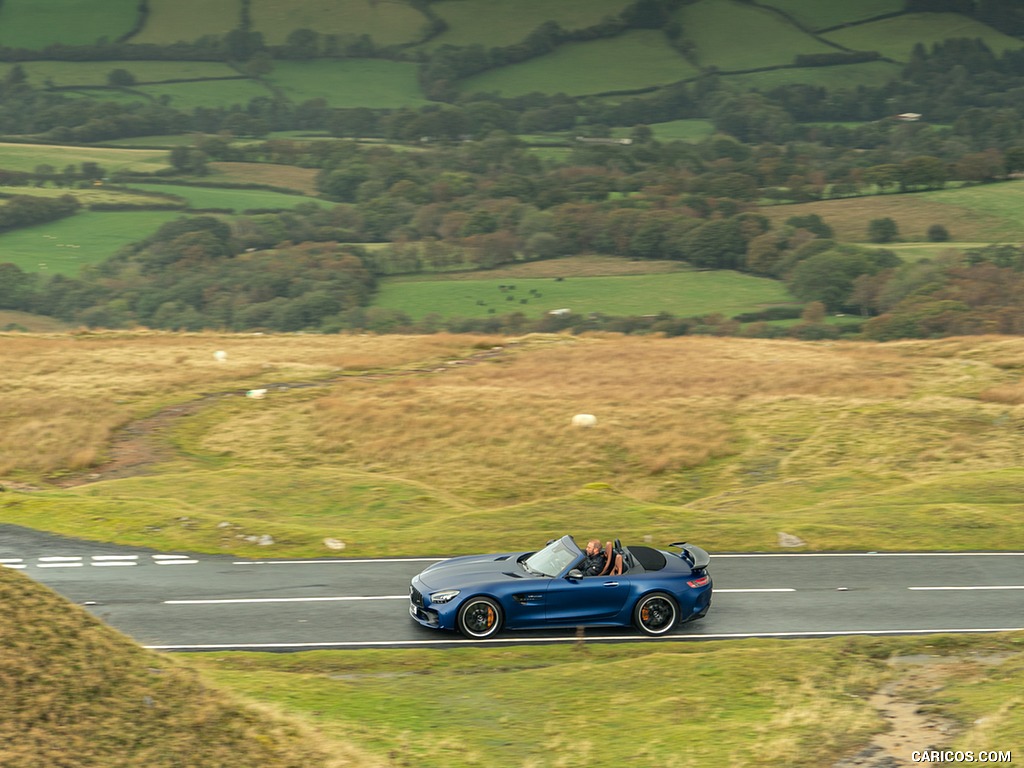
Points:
(656, 614)
(480, 618)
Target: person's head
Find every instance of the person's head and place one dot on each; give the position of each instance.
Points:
(593, 546)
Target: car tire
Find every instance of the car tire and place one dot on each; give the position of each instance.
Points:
(480, 618)
(656, 614)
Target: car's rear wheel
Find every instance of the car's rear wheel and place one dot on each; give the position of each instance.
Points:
(656, 614)
(480, 618)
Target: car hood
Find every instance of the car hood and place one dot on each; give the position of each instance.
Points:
(460, 572)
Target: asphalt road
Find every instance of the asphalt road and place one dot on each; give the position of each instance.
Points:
(180, 601)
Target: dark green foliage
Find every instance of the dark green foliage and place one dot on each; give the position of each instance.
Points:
(937, 234)
(883, 230)
(812, 222)
(24, 211)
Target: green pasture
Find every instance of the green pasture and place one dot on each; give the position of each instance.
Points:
(680, 130)
(232, 199)
(114, 95)
(387, 23)
(35, 24)
(732, 35)
(165, 142)
(86, 73)
(746, 704)
(27, 157)
(920, 251)
(842, 76)
(822, 15)
(373, 83)
(172, 21)
(511, 22)
(681, 293)
(205, 93)
(65, 246)
(983, 213)
(896, 37)
(638, 59)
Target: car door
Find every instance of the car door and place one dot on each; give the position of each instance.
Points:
(588, 599)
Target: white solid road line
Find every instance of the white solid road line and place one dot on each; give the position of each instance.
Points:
(115, 557)
(59, 559)
(954, 589)
(60, 565)
(867, 554)
(341, 561)
(285, 600)
(772, 589)
(455, 640)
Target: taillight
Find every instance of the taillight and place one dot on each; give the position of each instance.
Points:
(701, 582)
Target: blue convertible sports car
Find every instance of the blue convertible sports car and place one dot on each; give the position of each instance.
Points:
(652, 589)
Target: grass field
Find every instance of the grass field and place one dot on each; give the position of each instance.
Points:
(387, 23)
(681, 293)
(986, 213)
(846, 445)
(732, 35)
(288, 176)
(211, 93)
(84, 73)
(642, 59)
(65, 246)
(675, 130)
(172, 21)
(849, 446)
(86, 196)
(32, 24)
(374, 83)
(512, 22)
(818, 15)
(895, 37)
(236, 200)
(27, 157)
(744, 704)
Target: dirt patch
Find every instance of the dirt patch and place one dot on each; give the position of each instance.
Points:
(911, 727)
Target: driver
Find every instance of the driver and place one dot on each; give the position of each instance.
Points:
(593, 564)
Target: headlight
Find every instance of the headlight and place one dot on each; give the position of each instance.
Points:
(444, 596)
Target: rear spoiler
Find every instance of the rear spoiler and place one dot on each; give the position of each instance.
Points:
(698, 556)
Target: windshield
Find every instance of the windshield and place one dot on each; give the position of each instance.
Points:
(553, 559)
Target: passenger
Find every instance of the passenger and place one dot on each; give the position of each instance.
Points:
(594, 563)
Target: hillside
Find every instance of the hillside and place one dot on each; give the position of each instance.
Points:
(77, 693)
(449, 444)
(406, 53)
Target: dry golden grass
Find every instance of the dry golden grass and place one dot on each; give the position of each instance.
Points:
(65, 394)
(502, 431)
(913, 215)
(287, 176)
(78, 693)
(846, 445)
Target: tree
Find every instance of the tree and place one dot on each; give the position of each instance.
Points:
(937, 234)
(830, 277)
(188, 160)
(120, 78)
(717, 244)
(882, 230)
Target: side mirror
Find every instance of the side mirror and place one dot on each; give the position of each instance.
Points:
(574, 574)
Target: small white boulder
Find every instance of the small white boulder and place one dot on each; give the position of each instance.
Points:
(220, 355)
(584, 420)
